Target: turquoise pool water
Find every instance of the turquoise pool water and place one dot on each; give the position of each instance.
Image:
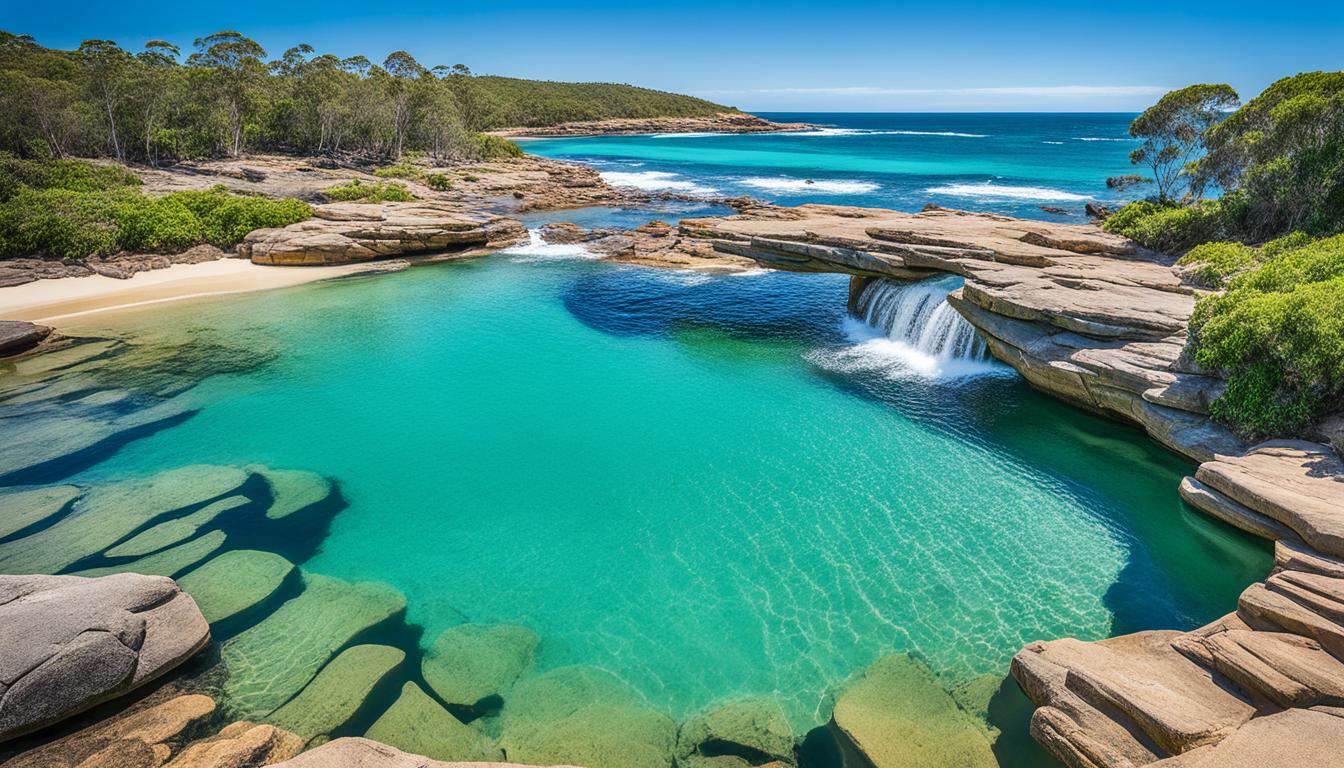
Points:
(706, 486)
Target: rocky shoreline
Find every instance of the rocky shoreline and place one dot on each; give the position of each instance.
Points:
(724, 122)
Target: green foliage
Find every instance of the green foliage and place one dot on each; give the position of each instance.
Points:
(1175, 228)
(509, 102)
(1278, 335)
(400, 171)
(1173, 131)
(74, 212)
(490, 147)
(439, 182)
(377, 192)
(1285, 150)
(1210, 265)
(60, 174)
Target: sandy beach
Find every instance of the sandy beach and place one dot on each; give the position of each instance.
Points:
(52, 301)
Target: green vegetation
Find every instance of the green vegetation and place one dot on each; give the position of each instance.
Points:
(1276, 330)
(400, 171)
(377, 192)
(439, 182)
(225, 98)
(74, 209)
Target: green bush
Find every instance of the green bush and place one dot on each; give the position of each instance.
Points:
(401, 170)
(74, 175)
(1174, 228)
(439, 182)
(1211, 265)
(1278, 335)
(102, 217)
(377, 192)
(489, 147)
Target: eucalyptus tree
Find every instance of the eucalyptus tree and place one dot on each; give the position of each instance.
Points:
(235, 64)
(157, 67)
(401, 73)
(109, 79)
(1173, 132)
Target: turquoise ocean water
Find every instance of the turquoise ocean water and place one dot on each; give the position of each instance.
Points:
(708, 486)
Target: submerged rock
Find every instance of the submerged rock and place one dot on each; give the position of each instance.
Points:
(233, 582)
(293, 490)
(26, 506)
(419, 724)
(338, 691)
(69, 643)
(107, 513)
(584, 716)
(169, 562)
(897, 715)
(739, 734)
(271, 662)
(473, 662)
(178, 529)
(364, 753)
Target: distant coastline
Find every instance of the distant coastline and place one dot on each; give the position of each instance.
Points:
(724, 122)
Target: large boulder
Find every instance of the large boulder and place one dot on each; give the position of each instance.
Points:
(340, 233)
(17, 336)
(472, 663)
(738, 734)
(69, 643)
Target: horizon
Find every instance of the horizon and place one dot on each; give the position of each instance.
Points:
(964, 57)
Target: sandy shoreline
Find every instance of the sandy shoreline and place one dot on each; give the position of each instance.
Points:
(52, 301)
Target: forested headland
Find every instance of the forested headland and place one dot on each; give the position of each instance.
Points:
(228, 96)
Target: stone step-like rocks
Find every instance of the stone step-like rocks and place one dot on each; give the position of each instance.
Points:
(235, 581)
(472, 666)
(70, 643)
(1297, 738)
(340, 233)
(419, 724)
(338, 691)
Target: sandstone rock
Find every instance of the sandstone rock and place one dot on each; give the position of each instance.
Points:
(107, 513)
(240, 745)
(472, 662)
(17, 336)
(418, 724)
(738, 734)
(230, 584)
(1285, 669)
(1215, 504)
(584, 716)
(1294, 482)
(178, 529)
(1293, 555)
(897, 715)
(344, 232)
(293, 490)
(69, 643)
(364, 753)
(337, 692)
(310, 628)
(1297, 738)
(1266, 609)
(25, 506)
(137, 739)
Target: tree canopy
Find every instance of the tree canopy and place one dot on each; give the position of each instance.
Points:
(1173, 133)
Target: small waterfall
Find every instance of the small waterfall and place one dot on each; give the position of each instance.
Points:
(918, 315)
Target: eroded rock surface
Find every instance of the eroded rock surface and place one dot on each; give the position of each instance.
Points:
(70, 643)
(340, 233)
(471, 663)
(365, 753)
(17, 336)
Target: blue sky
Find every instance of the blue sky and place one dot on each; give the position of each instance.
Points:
(776, 56)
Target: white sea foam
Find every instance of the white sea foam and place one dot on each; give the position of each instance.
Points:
(879, 132)
(1052, 142)
(537, 249)
(1099, 138)
(824, 187)
(655, 181)
(989, 190)
(934, 133)
(689, 135)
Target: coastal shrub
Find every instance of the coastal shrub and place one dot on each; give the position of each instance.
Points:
(375, 192)
(102, 216)
(489, 147)
(1277, 333)
(74, 175)
(1174, 228)
(1211, 265)
(439, 182)
(401, 170)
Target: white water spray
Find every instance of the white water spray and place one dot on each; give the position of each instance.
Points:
(919, 316)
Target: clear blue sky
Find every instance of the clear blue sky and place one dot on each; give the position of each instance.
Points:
(836, 55)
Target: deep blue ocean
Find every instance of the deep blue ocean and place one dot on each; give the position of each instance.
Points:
(1013, 163)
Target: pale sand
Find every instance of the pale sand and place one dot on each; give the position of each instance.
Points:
(51, 301)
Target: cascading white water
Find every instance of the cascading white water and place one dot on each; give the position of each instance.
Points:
(918, 315)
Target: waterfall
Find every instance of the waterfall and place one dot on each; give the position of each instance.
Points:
(918, 315)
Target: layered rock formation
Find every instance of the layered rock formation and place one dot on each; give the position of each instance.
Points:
(1274, 669)
(1082, 314)
(17, 336)
(655, 244)
(724, 122)
(340, 233)
(70, 643)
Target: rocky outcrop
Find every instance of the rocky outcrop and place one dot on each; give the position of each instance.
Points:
(340, 233)
(655, 244)
(724, 122)
(70, 643)
(1274, 669)
(1082, 314)
(17, 336)
(365, 753)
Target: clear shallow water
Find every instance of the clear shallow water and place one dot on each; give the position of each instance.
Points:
(688, 481)
(1007, 163)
